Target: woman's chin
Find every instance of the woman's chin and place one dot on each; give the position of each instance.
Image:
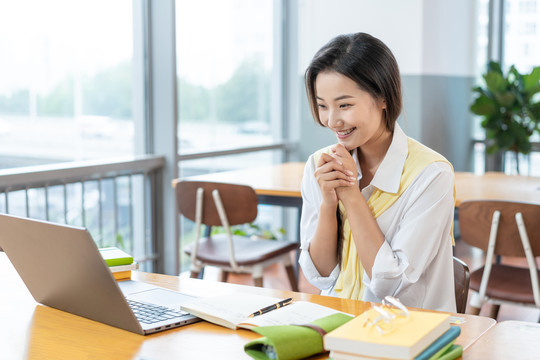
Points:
(349, 146)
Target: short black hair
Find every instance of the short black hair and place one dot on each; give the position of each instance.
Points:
(367, 61)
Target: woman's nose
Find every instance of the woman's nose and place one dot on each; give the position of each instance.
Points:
(334, 119)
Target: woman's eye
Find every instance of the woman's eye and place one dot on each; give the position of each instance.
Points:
(344, 106)
(321, 106)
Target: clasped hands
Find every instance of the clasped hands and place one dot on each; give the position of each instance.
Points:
(336, 175)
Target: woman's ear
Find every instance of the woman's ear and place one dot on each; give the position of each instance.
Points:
(383, 103)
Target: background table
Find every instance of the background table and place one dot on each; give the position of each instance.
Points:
(280, 184)
(507, 340)
(497, 186)
(33, 331)
(274, 184)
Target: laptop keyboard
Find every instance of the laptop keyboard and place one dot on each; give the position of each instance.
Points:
(149, 313)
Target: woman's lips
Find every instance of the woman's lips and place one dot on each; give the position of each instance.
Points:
(342, 134)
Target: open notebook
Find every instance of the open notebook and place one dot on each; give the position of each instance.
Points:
(232, 311)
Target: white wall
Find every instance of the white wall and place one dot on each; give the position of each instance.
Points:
(450, 38)
(434, 42)
(435, 37)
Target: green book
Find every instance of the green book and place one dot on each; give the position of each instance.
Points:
(113, 256)
(454, 352)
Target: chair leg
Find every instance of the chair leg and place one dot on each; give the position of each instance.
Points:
(292, 277)
(223, 276)
(473, 310)
(258, 281)
(494, 311)
(196, 271)
(257, 274)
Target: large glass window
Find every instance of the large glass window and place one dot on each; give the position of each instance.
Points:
(228, 89)
(66, 95)
(65, 89)
(517, 39)
(225, 52)
(522, 34)
(521, 39)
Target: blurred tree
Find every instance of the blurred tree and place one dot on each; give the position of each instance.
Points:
(58, 102)
(17, 103)
(195, 103)
(108, 93)
(244, 96)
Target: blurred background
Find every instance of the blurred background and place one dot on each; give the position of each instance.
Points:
(214, 85)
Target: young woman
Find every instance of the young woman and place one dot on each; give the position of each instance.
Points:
(378, 207)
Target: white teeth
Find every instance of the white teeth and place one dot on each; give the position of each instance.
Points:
(345, 132)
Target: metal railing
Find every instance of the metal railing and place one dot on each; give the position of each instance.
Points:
(114, 199)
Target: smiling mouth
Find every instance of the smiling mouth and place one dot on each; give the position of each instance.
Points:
(345, 132)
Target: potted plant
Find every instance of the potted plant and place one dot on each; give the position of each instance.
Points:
(510, 107)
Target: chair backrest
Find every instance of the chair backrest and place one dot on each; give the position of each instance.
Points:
(240, 202)
(461, 284)
(475, 219)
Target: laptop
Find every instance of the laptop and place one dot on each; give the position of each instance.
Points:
(62, 268)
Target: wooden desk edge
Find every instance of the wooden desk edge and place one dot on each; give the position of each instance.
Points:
(470, 332)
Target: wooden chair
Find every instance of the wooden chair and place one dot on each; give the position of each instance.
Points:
(507, 229)
(220, 204)
(461, 284)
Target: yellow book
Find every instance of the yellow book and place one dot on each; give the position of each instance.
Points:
(123, 272)
(406, 338)
(122, 275)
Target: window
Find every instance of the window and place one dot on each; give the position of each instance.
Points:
(225, 74)
(229, 78)
(522, 35)
(66, 76)
(66, 95)
(513, 42)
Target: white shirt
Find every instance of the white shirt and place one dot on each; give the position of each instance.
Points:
(415, 261)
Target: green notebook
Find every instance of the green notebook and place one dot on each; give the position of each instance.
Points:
(113, 256)
(291, 342)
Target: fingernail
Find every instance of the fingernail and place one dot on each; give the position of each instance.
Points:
(352, 178)
(350, 172)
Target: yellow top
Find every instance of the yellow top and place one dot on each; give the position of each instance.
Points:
(349, 283)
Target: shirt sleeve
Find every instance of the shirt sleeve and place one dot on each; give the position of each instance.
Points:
(424, 227)
(311, 200)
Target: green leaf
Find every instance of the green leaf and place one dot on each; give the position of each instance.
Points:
(506, 98)
(495, 82)
(524, 147)
(492, 149)
(531, 82)
(514, 77)
(483, 105)
(494, 66)
(504, 139)
(239, 232)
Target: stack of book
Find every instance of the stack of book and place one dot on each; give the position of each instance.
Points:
(423, 335)
(120, 263)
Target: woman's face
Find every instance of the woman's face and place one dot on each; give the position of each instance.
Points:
(351, 113)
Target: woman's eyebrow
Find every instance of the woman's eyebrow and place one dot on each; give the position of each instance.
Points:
(338, 98)
(343, 97)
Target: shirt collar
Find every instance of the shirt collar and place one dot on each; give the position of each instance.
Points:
(387, 178)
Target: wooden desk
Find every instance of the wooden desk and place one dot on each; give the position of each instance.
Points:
(33, 331)
(274, 184)
(497, 186)
(277, 182)
(507, 340)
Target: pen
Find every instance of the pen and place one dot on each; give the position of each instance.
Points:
(272, 307)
